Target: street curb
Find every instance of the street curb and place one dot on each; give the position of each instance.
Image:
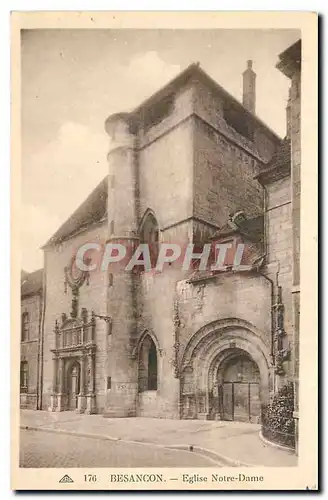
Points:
(276, 445)
(211, 455)
(229, 462)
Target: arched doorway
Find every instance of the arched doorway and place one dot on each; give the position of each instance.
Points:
(238, 380)
(225, 355)
(147, 378)
(73, 385)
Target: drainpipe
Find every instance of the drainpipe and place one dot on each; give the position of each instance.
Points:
(267, 278)
(273, 285)
(272, 303)
(41, 340)
(39, 296)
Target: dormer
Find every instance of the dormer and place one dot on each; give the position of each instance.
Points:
(244, 239)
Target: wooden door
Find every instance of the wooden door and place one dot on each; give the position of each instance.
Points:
(74, 386)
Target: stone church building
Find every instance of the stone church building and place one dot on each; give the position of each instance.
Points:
(191, 164)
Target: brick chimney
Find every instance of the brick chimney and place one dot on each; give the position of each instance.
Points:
(249, 78)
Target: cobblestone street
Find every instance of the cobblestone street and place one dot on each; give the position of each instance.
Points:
(233, 441)
(43, 449)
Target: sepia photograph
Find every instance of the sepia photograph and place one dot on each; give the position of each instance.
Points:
(160, 254)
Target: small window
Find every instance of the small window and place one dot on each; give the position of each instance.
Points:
(152, 368)
(25, 327)
(150, 234)
(109, 383)
(23, 376)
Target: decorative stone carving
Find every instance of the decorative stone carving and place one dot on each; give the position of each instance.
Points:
(75, 301)
(200, 297)
(176, 343)
(281, 352)
(75, 341)
(75, 279)
(84, 315)
(89, 374)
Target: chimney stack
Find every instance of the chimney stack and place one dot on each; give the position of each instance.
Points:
(249, 78)
(289, 116)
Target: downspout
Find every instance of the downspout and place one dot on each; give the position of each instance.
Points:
(273, 285)
(41, 335)
(39, 295)
(269, 279)
(272, 304)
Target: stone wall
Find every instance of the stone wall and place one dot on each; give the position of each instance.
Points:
(296, 215)
(243, 296)
(296, 171)
(223, 177)
(165, 169)
(228, 312)
(210, 107)
(91, 297)
(278, 229)
(156, 315)
(225, 162)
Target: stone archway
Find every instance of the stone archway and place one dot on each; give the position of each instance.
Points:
(207, 351)
(235, 379)
(147, 365)
(149, 357)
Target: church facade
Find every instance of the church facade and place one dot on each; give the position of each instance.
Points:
(191, 165)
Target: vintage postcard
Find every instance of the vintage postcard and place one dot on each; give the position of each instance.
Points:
(164, 242)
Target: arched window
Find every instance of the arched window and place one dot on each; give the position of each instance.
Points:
(152, 368)
(149, 234)
(148, 373)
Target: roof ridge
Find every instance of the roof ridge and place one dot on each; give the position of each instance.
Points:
(76, 219)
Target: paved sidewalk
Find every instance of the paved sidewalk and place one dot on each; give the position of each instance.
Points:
(232, 443)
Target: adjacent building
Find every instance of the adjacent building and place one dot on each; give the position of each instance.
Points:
(290, 65)
(31, 339)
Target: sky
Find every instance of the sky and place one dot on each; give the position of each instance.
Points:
(72, 80)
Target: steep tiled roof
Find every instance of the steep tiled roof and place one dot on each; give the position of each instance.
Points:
(282, 155)
(92, 210)
(252, 229)
(290, 59)
(279, 166)
(32, 283)
(24, 275)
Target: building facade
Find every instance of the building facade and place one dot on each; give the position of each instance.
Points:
(31, 339)
(290, 65)
(191, 165)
